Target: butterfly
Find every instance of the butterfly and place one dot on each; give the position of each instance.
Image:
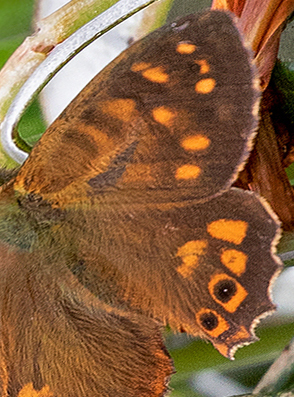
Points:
(123, 220)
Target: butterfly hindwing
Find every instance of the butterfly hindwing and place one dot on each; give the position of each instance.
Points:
(175, 263)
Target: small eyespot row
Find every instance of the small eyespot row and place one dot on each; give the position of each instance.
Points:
(211, 322)
(226, 291)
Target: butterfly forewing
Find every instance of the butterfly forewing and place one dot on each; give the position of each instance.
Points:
(166, 115)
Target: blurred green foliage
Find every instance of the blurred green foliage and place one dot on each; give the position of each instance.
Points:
(15, 25)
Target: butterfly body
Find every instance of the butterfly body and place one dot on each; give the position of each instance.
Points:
(123, 219)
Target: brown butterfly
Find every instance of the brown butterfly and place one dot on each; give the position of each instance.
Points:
(122, 219)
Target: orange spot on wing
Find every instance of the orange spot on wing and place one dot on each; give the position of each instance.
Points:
(240, 294)
(29, 391)
(222, 348)
(138, 67)
(228, 230)
(195, 142)
(188, 171)
(164, 115)
(234, 260)
(220, 326)
(186, 48)
(122, 109)
(104, 142)
(205, 86)
(190, 253)
(240, 335)
(156, 75)
(204, 66)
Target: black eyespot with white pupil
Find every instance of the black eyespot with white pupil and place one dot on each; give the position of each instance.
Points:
(224, 290)
(209, 321)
